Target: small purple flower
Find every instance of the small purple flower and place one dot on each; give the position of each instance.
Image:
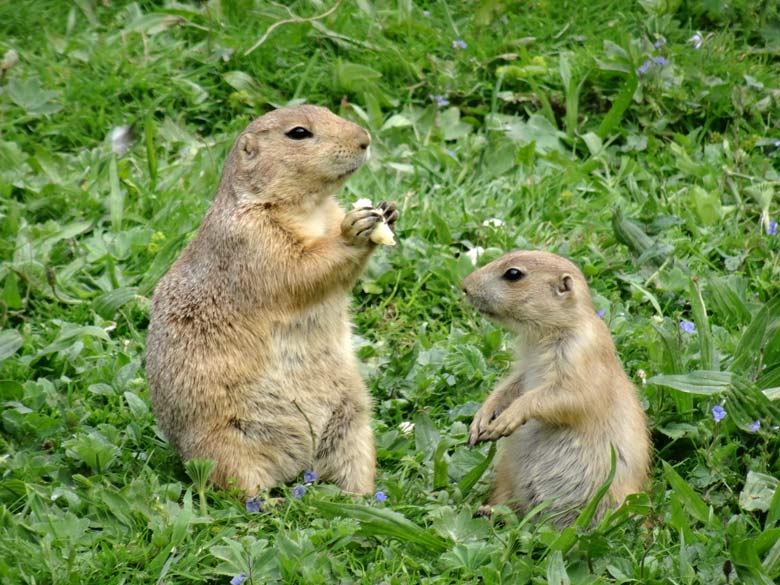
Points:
(451, 153)
(696, 40)
(380, 496)
(238, 579)
(601, 313)
(254, 505)
(642, 69)
(309, 476)
(771, 229)
(660, 42)
(755, 426)
(688, 326)
(426, 13)
(441, 101)
(776, 143)
(662, 61)
(718, 413)
(459, 44)
(298, 491)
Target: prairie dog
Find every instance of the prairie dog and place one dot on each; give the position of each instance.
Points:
(567, 398)
(249, 354)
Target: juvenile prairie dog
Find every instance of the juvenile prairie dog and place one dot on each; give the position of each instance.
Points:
(249, 354)
(567, 398)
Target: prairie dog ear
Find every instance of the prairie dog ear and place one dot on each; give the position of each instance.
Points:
(565, 285)
(247, 146)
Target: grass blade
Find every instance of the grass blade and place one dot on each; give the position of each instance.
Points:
(472, 477)
(116, 198)
(619, 107)
(385, 522)
(701, 382)
(709, 359)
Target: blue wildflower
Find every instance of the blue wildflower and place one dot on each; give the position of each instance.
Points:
(310, 476)
(696, 40)
(601, 313)
(718, 413)
(238, 579)
(459, 44)
(755, 426)
(380, 496)
(441, 100)
(642, 69)
(662, 61)
(771, 229)
(776, 143)
(660, 42)
(254, 505)
(426, 13)
(688, 326)
(298, 491)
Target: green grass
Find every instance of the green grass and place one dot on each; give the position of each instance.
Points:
(660, 186)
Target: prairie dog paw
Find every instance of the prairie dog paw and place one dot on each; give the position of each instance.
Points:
(503, 425)
(383, 230)
(359, 224)
(389, 211)
(493, 406)
(478, 426)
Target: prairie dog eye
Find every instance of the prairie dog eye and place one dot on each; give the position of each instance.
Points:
(299, 133)
(513, 275)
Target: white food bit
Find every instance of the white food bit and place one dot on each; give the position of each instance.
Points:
(382, 233)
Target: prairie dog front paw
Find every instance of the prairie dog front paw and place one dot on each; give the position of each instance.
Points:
(359, 224)
(504, 424)
(383, 231)
(489, 410)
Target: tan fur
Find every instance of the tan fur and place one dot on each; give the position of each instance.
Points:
(567, 398)
(249, 352)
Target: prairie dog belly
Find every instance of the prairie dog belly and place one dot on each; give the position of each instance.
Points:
(555, 463)
(311, 369)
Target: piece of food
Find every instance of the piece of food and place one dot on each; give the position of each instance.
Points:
(382, 233)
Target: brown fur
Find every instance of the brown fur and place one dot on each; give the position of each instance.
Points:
(249, 355)
(566, 400)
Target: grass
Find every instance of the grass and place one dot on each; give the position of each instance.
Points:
(661, 186)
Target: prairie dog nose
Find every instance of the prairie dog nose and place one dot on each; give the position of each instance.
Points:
(364, 139)
(467, 282)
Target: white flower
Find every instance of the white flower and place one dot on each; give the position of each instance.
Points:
(406, 427)
(697, 40)
(493, 222)
(121, 139)
(475, 253)
(10, 59)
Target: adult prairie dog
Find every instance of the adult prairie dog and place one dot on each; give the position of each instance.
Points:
(249, 353)
(567, 398)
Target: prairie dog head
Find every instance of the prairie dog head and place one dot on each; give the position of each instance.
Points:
(293, 155)
(530, 290)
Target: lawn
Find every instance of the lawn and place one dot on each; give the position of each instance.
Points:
(641, 139)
